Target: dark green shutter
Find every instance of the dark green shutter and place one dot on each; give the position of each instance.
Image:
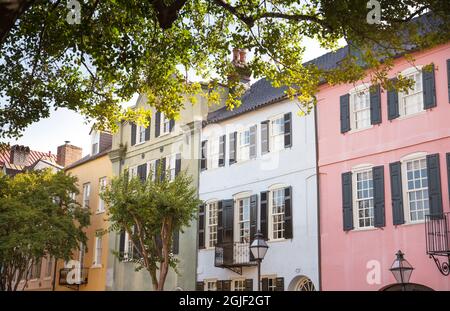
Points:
(157, 124)
(345, 113)
(133, 134)
(121, 243)
(279, 284)
(429, 88)
(157, 170)
(448, 173)
(171, 125)
(249, 285)
(177, 164)
(287, 130)
(264, 214)
(219, 223)
(204, 156)
(142, 172)
(201, 226)
(147, 130)
(448, 81)
(176, 242)
(375, 104)
(219, 285)
(265, 284)
(347, 201)
(264, 137)
(252, 148)
(228, 220)
(288, 234)
(397, 193)
(233, 145)
(253, 219)
(378, 196)
(222, 142)
(226, 285)
(434, 184)
(199, 286)
(163, 169)
(392, 101)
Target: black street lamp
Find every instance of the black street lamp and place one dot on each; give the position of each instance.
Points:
(259, 249)
(401, 269)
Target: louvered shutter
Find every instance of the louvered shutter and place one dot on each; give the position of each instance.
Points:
(265, 284)
(344, 101)
(133, 134)
(122, 243)
(279, 282)
(201, 226)
(397, 193)
(233, 145)
(177, 164)
(249, 285)
(204, 159)
(288, 234)
(347, 201)
(375, 104)
(199, 286)
(429, 88)
(222, 144)
(392, 101)
(434, 184)
(157, 124)
(252, 148)
(264, 214)
(171, 125)
(147, 130)
(287, 130)
(378, 196)
(176, 242)
(264, 137)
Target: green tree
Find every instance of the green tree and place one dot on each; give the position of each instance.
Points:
(150, 212)
(122, 47)
(38, 218)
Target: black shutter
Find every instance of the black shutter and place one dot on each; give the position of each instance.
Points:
(201, 226)
(163, 169)
(222, 142)
(219, 285)
(264, 221)
(253, 219)
(228, 220)
(147, 130)
(264, 137)
(378, 196)
(279, 284)
(226, 285)
(288, 234)
(176, 242)
(265, 284)
(233, 142)
(177, 164)
(287, 130)
(448, 173)
(157, 169)
(448, 81)
(133, 134)
(204, 154)
(249, 285)
(375, 104)
(157, 124)
(392, 101)
(345, 113)
(434, 184)
(219, 223)
(252, 150)
(142, 172)
(429, 88)
(347, 201)
(171, 125)
(122, 243)
(397, 193)
(199, 286)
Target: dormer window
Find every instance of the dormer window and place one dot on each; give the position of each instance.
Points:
(95, 145)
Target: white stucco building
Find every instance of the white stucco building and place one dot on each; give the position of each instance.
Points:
(258, 171)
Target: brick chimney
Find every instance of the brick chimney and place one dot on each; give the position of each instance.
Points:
(68, 154)
(240, 63)
(19, 155)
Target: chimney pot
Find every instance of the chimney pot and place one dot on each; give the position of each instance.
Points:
(242, 56)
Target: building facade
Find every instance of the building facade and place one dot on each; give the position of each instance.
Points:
(384, 160)
(258, 172)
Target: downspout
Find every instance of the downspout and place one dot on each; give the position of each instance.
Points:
(319, 248)
(54, 275)
(197, 158)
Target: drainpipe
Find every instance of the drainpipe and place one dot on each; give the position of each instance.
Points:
(319, 255)
(54, 275)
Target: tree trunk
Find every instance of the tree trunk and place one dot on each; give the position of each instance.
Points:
(166, 237)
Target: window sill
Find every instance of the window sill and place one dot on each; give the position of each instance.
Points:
(33, 280)
(365, 229)
(138, 144)
(412, 115)
(277, 240)
(360, 130)
(412, 223)
(47, 278)
(96, 266)
(97, 212)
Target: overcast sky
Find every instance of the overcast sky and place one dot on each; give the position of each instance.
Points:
(63, 124)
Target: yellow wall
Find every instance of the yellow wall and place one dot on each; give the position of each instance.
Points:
(91, 172)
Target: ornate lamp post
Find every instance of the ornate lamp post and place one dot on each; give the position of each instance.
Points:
(259, 248)
(401, 269)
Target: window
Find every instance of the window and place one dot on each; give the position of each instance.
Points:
(416, 189)
(170, 166)
(128, 247)
(95, 142)
(49, 268)
(214, 153)
(165, 124)
(132, 172)
(244, 145)
(86, 194)
(101, 203)
(81, 255)
(98, 249)
(277, 213)
(238, 285)
(271, 283)
(212, 220)
(360, 108)
(244, 219)
(277, 133)
(363, 198)
(140, 134)
(211, 285)
(411, 101)
(36, 270)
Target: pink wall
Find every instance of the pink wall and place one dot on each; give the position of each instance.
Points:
(346, 254)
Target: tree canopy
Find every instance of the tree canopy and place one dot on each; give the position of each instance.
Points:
(38, 218)
(153, 47)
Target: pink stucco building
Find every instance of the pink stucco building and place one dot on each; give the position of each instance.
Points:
(384, 162)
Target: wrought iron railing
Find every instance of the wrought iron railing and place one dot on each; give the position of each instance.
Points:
(73, 276)
(233, 254)
(437, 240)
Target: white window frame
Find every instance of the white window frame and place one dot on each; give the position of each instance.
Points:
(140, 134)
(164, 125)
(128, 248)
(239, 149)
(273, 146)
(361, 90)
(101, 187)
(237, 222)
(151, 169)
(210, 281)
(241, 286)
(406, 204)
(213, 152)
(95, 141)
(98, 250)
(86, 194)
(355, 170)
(271, 190)
(170, 165)
(207, 222)
(272, 277)
(408, 73)
(132, 172)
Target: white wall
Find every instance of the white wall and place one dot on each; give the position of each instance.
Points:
(294, 167)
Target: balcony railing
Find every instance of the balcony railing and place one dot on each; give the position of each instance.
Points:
(437, 240)
(73, 276)
(233, 254)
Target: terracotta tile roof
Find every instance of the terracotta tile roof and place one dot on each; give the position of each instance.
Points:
(32, 159)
